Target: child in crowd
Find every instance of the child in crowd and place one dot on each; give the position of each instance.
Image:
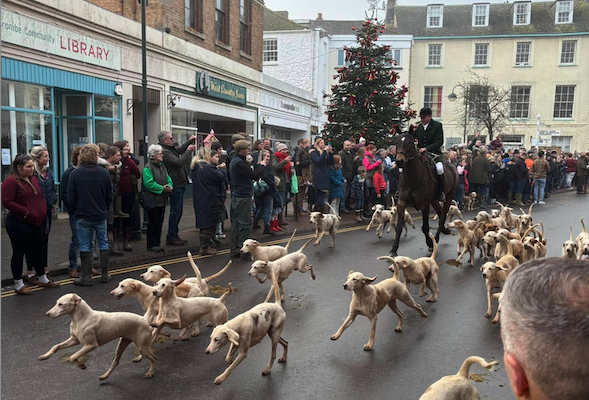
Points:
(358, 192)
(380, 185)
(277, 206)
(336, 179)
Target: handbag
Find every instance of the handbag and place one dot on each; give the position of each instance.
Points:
(260, 187)
(145, 201)
(294, 187)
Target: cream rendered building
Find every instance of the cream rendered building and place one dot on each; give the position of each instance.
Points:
(538, 50)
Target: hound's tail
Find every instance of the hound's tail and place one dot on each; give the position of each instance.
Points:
(433, 256)
(571, 230)
(290, 240)
(463, 371)
(583, 225)
(227, 293)
(305, 245)
(332, 209)
(391, 261)
(508, 244)
(194, 267)
(530, 229)
(218, 274)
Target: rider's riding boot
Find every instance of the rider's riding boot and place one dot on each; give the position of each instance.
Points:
(442, 194)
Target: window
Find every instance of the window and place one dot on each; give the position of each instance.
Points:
(435, 16)
(341, 58)
(193, 14)
(394, 55)
(522, 53)
(221, 22)
(521, 16)
(567, 53)
(244, 26)
(564, 12)
(434, 55)
(480, 15)
(432, 98)
(564, 98)
(520, 102)
(270, 50)
(481, 53)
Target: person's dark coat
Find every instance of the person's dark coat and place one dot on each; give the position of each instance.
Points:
(208, 186)
(47, 185)
(321, 163)
(175, 160)
(432, 138)
(521, 171)
(242, 176)
(90, 192)
(479, 172)
(347, 165)
(63, 188)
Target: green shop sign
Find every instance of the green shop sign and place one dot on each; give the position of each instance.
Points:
(219, 88)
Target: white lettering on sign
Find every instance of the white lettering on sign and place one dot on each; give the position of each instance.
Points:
(34, 34)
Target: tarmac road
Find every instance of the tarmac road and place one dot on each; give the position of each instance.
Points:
(401, 366)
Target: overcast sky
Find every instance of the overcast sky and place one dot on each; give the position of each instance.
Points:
(345, 9)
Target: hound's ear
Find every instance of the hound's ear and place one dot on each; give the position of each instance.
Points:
(75, 299)
(233, 336)
(373, 208)
(178, 282)
(133, 286)
(368, 281)
(263, 263)
(350, 273)
(500, 268)
(166, 273)
(496, 229)
(320, 216)
(255, 243)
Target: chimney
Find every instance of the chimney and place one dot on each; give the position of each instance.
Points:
(391, 17)
(283, 14)
(319, 17)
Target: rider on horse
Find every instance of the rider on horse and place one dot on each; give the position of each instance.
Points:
(430, 137)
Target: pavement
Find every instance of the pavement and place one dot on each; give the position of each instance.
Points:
(401, 366)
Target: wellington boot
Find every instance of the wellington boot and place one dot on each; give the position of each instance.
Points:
(518, 200)
(358, 217)
(104, 260)
(113, 248)
(509, 197)
(86, 266)
(273, 225)
(117, 207)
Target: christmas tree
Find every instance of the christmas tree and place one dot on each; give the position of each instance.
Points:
(366, 101)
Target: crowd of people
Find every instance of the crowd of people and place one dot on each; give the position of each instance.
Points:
(515, 175)
(104, 185)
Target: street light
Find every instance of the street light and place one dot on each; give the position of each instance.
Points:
(452, 97)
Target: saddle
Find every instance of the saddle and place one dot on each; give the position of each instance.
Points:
(428, 162)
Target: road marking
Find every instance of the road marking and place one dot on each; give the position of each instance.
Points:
(126, 270)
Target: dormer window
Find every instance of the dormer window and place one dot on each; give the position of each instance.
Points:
(480, 15)
(521, 14)
(435, 16)
(564, 12)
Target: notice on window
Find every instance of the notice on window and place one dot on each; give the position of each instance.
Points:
(6, 159)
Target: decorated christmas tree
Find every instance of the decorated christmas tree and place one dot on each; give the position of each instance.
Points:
(366, 101)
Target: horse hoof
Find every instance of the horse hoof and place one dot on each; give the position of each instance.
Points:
(446, 231)
(393, 254)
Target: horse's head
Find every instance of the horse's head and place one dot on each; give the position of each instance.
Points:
(405, 147)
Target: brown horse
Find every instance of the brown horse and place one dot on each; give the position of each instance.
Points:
(419, 186)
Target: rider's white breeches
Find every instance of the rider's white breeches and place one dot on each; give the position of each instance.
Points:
(440, 168)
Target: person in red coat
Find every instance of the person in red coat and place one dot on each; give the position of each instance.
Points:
(380, 185)
(22, 197)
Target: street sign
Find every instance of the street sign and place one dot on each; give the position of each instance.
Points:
(549, 133)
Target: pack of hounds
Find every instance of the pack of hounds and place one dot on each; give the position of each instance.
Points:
(184, 304)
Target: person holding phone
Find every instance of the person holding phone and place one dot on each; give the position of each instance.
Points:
(158, 186)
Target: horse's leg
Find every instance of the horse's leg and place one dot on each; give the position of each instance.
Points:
(442, 213)
(399, 228)
(425, 227)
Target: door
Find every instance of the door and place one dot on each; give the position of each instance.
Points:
(75, 123)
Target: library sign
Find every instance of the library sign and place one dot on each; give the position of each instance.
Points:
(219, 88)
(37, 35)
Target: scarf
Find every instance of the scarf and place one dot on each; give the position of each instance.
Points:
(286, 168)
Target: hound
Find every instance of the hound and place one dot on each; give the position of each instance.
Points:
(266, 253)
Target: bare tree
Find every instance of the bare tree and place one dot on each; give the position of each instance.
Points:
(485, 107)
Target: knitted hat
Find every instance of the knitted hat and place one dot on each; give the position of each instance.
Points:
(281, 146)
(241, 144)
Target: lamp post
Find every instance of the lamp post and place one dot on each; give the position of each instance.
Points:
(452, 97)
(144, 77)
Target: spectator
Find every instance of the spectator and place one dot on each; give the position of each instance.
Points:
(519, 177)
(218, 147)
(25, 222)
(322, 159)
(529, 160)
(258, 146)
(241, 176)
(479, 176)
(303, 168)
(336, 184)
(208, 187)
(570, 169)
(158, 186)
(281, 167)
(476, 142)
(370, 164)
(264, 200)
(112, 157)
(540, 168)
(358, 159)
(207, 142)
(127, 190)
(175, 161)
(89, 195)
(358, 193)
(74, 242)
(379, 185)
(461, 170)
(234, 139)
(498, 175)
(44, 178)
(581, 174)
(347, 158)
(497, 144)
(393, 172)
(544, 329)
(277, 206)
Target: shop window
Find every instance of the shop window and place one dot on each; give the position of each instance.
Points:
(106, 131)
(106, 107)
